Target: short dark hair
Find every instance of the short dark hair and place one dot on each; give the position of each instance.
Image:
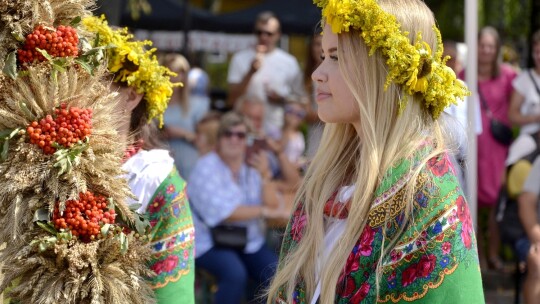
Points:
(265, 16)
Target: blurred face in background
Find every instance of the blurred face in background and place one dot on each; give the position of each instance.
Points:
(536, 54)
(487, 49)
(294, 115)
(254, 112)
(232, 143)
(206, 136)
(268, 33)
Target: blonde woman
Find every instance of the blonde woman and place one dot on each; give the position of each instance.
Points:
(182, 115)
(380, 216)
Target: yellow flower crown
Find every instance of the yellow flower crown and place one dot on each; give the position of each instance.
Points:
(414, 67)
(134, 65)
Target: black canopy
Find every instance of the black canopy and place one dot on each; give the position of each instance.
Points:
(296, 16)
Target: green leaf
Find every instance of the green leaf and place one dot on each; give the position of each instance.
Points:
(5, 133)
(96, 41)
(47, 227)
(45, 54)
(135, 207)
(111, 203)
(5, 149)
(141, 225)
(42, 215)
(17, 36)
(54, 75)
(105, 229)
(85, 66)
(123, 243)
(75, 22)
(26, 111)
(14, 132)
(10, 66)
(65, 235)
(43, 247)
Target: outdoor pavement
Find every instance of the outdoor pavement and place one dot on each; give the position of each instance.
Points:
(499, 285)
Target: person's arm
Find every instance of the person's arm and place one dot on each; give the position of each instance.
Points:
(238, 89)
(290, 173)
(290, 176)
(514, 112)
(270, 196)
(527, 203)
(177, 132)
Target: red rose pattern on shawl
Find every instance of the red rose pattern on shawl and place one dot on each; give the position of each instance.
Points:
(465, 218)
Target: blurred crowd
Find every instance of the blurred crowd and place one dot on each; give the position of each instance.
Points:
(244, 165)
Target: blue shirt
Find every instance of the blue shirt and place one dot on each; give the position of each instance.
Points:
(214, 194)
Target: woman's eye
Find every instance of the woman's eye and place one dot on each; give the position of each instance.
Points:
(335, 58)
(322, 57)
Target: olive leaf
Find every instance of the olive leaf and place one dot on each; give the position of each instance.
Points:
(47, 227)
(75, 22)
(10, 65)
(67, 158)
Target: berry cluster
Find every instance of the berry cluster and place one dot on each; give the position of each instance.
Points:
(85, 216)
(69, 126)
(60, 43)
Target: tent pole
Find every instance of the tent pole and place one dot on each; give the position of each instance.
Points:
(471, 77)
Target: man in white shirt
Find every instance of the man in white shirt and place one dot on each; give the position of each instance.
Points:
(265, 71)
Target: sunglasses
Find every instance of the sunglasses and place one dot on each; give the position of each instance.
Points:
(300, 114)
(266, 33)
(230, 134)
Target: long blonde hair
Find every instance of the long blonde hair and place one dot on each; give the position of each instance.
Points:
(346, 157)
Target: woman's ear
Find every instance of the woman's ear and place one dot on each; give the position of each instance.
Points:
(134, 99)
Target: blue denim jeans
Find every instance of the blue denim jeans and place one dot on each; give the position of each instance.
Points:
(233, 268)
(522, 248)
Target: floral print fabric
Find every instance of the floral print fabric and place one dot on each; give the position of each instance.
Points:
(173, 242)
(435, 257)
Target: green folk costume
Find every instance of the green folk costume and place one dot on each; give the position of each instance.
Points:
(435, 259)
(173, 242)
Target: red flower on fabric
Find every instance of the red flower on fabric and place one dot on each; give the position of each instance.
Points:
(361, 293)
(156, 204)
(426, 265)
(170, 189)
(347, 288)
(170, 244)
(409, 275)
(158, 267)
(396, 255)
(439, 165)
(366, 241)
(465, 219)
(422, 240)
(298, 224)
(170, 263)
(446, 247)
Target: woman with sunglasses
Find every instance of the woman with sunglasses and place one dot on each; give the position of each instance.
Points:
(226, 188)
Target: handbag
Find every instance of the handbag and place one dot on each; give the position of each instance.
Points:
(225, 235)
(507, 217)
(500, 131)
(229, 236)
